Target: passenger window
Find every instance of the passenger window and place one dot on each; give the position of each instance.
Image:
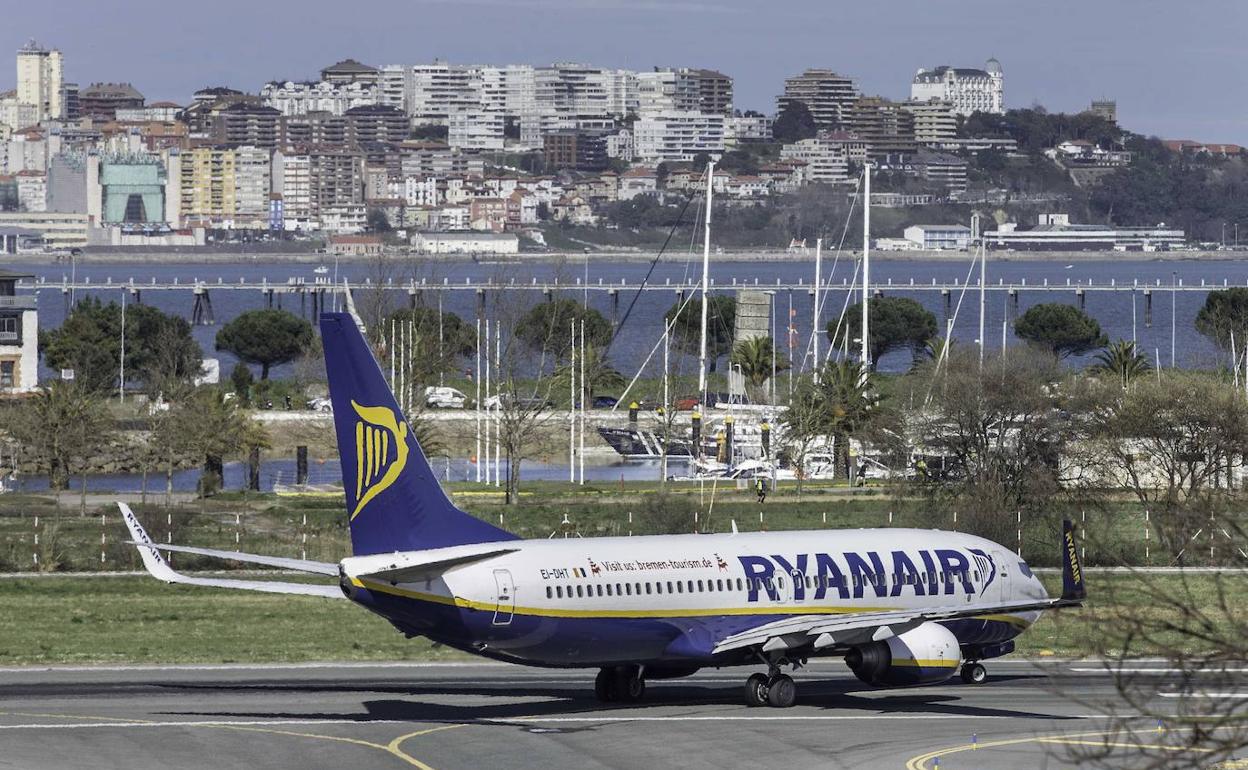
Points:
(658, 586)
(719, 585)
(699, 586)
(669, 587)
(600, 590)
(548, 592)
(559, 591)
(608, 589)
(689, 586)
(647, 588)
(639, 589)
(628, 588)
(680, 587)
(578, 592)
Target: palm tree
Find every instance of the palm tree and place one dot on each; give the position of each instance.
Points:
(754, 357)
(1123, 360)
(841, 404)
(938, 347)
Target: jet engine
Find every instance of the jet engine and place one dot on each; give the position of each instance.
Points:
(927, 654)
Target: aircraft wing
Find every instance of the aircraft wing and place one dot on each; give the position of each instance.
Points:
(160, 569)
(299, 565)
(820, 631)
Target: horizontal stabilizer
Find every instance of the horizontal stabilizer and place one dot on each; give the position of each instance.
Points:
(160, 569)
(412, 566)
(298, 565)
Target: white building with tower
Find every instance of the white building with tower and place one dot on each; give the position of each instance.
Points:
(969, 90)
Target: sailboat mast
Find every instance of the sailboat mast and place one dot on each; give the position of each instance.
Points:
(814, 324)
(706, 281)
(866, 266)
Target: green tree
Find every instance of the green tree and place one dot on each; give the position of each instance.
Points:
(754, 357)
(1224, 314)
(794, 123)
(1122, 360)
(1063, 329)
(159, 347)
(547, 327)
(721, 319)
(377, 221)
(266, 337)
(60, 427)
(242, 380)
(896, 322)
(437, 342)
(597, 373)
(841, 403)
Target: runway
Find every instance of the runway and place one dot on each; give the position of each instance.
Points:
(456, 717)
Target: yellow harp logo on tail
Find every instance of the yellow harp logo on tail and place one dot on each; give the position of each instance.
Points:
(380, 452)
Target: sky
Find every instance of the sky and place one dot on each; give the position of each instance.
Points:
(1177, 69)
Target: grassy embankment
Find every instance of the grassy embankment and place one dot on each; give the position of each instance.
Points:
(122, 620)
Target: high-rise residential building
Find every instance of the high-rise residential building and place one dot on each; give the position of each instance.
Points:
(827, 95)
(208, 186)
(667, 90)
(577, 150)
(934, 121)
(714, 91)
(100, 101)
(376, 123)
(40, 75)
(253, 181)
(394, 82)
(244, 123)
(70, 105)
(476, 130)
(678, 136)
(292, 180)
(438, 89)
(887, 127)
(969, 90)
(580, 90)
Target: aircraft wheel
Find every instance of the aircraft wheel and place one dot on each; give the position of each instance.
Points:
(629, 687)
(974, 673)
(756, 690)
(604, 685)
(782, 692)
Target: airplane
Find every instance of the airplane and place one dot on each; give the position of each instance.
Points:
(901, 606)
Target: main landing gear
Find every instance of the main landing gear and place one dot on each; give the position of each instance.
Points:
(974, 673)
(620, 684)
(771, 689)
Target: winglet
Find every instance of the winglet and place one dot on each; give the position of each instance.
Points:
(1072, 570)
(152, 560)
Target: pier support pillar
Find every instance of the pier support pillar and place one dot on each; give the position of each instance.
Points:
(1148, 308)
(1013, 303)
(615, 308)
(1083, 299)
(948, 303)
(411, 297)
(136, 296)
(201, 311)
(301, 465)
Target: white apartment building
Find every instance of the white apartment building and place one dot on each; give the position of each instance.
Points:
(677, 136)
(740, 129)
(667, 90)
(253, 180)
(620, 145)
(580, 90)
(292, 178)
(290, 98)
(32, 191)
(439, 89)
(39, 79)
(826, 159)
(19, 336)
(969, 90)
(476, 130)
(14, 115)
(939, 237)
(394, 83)
(344, 219)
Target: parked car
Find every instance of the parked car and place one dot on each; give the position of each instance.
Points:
(321, 405)
(495, 402)
(444, 398)
(604, 402)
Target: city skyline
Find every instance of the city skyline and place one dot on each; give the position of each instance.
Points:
(1191, 89)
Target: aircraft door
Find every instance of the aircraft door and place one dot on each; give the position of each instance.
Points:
(506, 597)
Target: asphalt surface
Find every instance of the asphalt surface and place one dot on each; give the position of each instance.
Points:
(455, 717)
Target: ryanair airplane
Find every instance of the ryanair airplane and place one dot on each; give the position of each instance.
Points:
(900, 606)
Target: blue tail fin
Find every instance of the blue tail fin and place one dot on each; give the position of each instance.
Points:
(393, 498)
